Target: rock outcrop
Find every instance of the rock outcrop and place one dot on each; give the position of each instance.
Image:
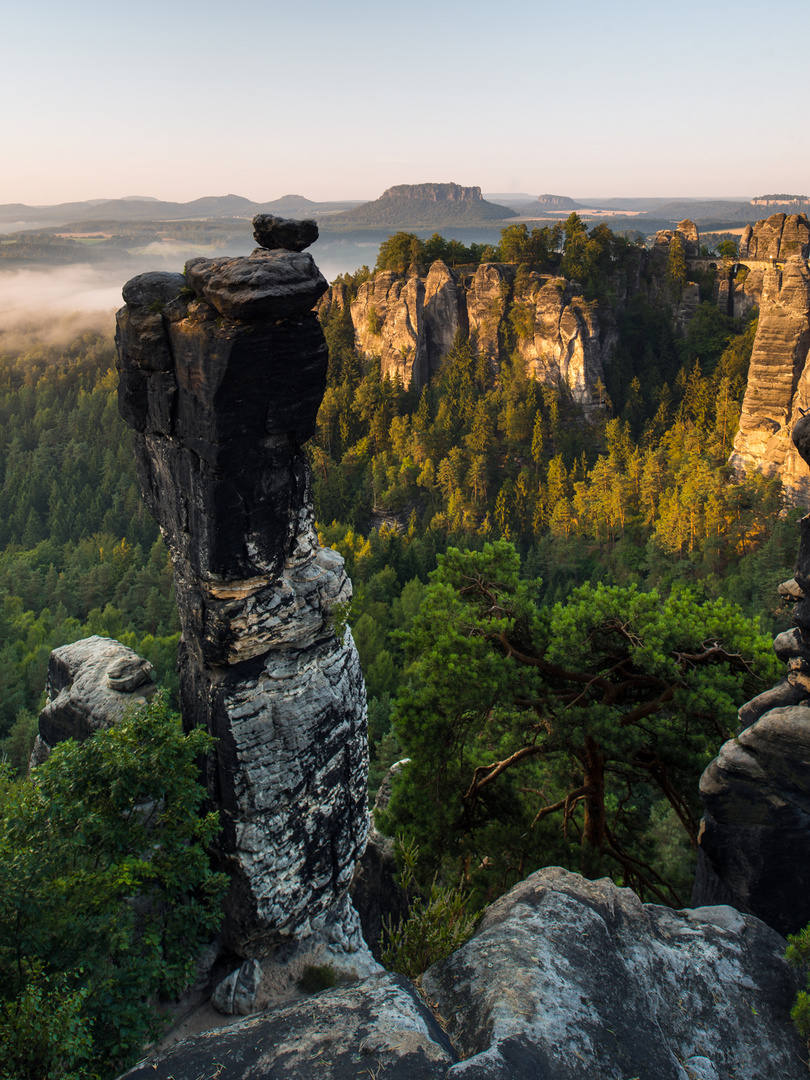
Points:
(91, 685)
(755, 834)
(410, 323)
(378, 1028)
(565, 979)
(776, 238)
(778, 390)
(221, 375)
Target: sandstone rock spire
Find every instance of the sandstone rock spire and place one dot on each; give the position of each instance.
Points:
(222, 371)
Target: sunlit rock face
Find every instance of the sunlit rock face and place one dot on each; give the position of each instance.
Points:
(222, 371)
(778, 390)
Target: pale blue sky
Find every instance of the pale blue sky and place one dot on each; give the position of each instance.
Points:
(180, 99)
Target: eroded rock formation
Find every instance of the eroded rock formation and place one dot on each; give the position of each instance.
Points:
(410, 323)
(565, 979)
(221, 375)
(91, 684)
(755, 834)
(778, 390)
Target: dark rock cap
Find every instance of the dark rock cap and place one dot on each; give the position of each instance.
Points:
(264, 285)
(275, 232)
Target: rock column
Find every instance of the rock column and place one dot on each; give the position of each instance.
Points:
(222, 371)
(754, 843)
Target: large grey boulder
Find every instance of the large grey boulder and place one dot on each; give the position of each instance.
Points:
(569, 979)
(91, 684)
(377, 1028)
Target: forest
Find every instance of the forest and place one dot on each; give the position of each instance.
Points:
(557, 613)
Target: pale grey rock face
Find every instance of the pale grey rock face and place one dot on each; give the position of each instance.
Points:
(411, 325)
(569, 979)
(569, 340)
(377, 1028)
(91, 685)
(220, 427)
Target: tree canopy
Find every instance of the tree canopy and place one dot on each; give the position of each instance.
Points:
(106, 894)
(596, 712)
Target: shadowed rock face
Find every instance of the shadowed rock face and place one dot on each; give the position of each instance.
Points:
(221, 375)
(755, 834)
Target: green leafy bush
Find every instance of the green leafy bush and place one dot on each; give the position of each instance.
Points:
(106, 893)
(434, 928)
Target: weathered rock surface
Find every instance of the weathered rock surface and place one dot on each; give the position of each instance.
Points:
(236, 994)
(778, 380)
(410, 323)
(91, 684)
(377, 1028)
(755, 834)
(565, 979)
(777, 237)
(222, 392)
(266, 285)
(568, 979)
(276, 232)
(389, 322)
(756, 825)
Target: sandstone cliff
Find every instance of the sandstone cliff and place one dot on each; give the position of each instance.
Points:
(755, 834)
(411, 323)
(778, 380)
(221, 375)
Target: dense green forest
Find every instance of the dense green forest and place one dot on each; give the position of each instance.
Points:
(557, 614)
(80, 555)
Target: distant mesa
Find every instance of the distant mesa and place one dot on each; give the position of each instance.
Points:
(781, 200)
(559, 202)
(425, 204)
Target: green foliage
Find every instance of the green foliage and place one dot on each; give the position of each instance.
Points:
(433, 928)
(317, 977)
(590, 710)
(798, 954)
(676, 268)
(105, 888)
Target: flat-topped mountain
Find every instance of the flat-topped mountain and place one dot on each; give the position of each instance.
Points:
(559, 202)
(416, 205)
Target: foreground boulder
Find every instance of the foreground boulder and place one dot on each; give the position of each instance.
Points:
(378, 1028)
(91, 684)
(565, 979)
(568, 979)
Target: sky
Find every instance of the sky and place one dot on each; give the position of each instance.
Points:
(339, 100)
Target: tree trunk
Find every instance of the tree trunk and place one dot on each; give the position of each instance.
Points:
(593, 833)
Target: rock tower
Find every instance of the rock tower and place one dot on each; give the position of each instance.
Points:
(754, 843)
(222, 370)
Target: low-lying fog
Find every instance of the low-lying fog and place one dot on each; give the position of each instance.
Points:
(62, 301)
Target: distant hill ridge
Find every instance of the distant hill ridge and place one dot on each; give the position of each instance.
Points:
(141, 209)
(425, 204)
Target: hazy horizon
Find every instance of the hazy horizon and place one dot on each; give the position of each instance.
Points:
(341, 101)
